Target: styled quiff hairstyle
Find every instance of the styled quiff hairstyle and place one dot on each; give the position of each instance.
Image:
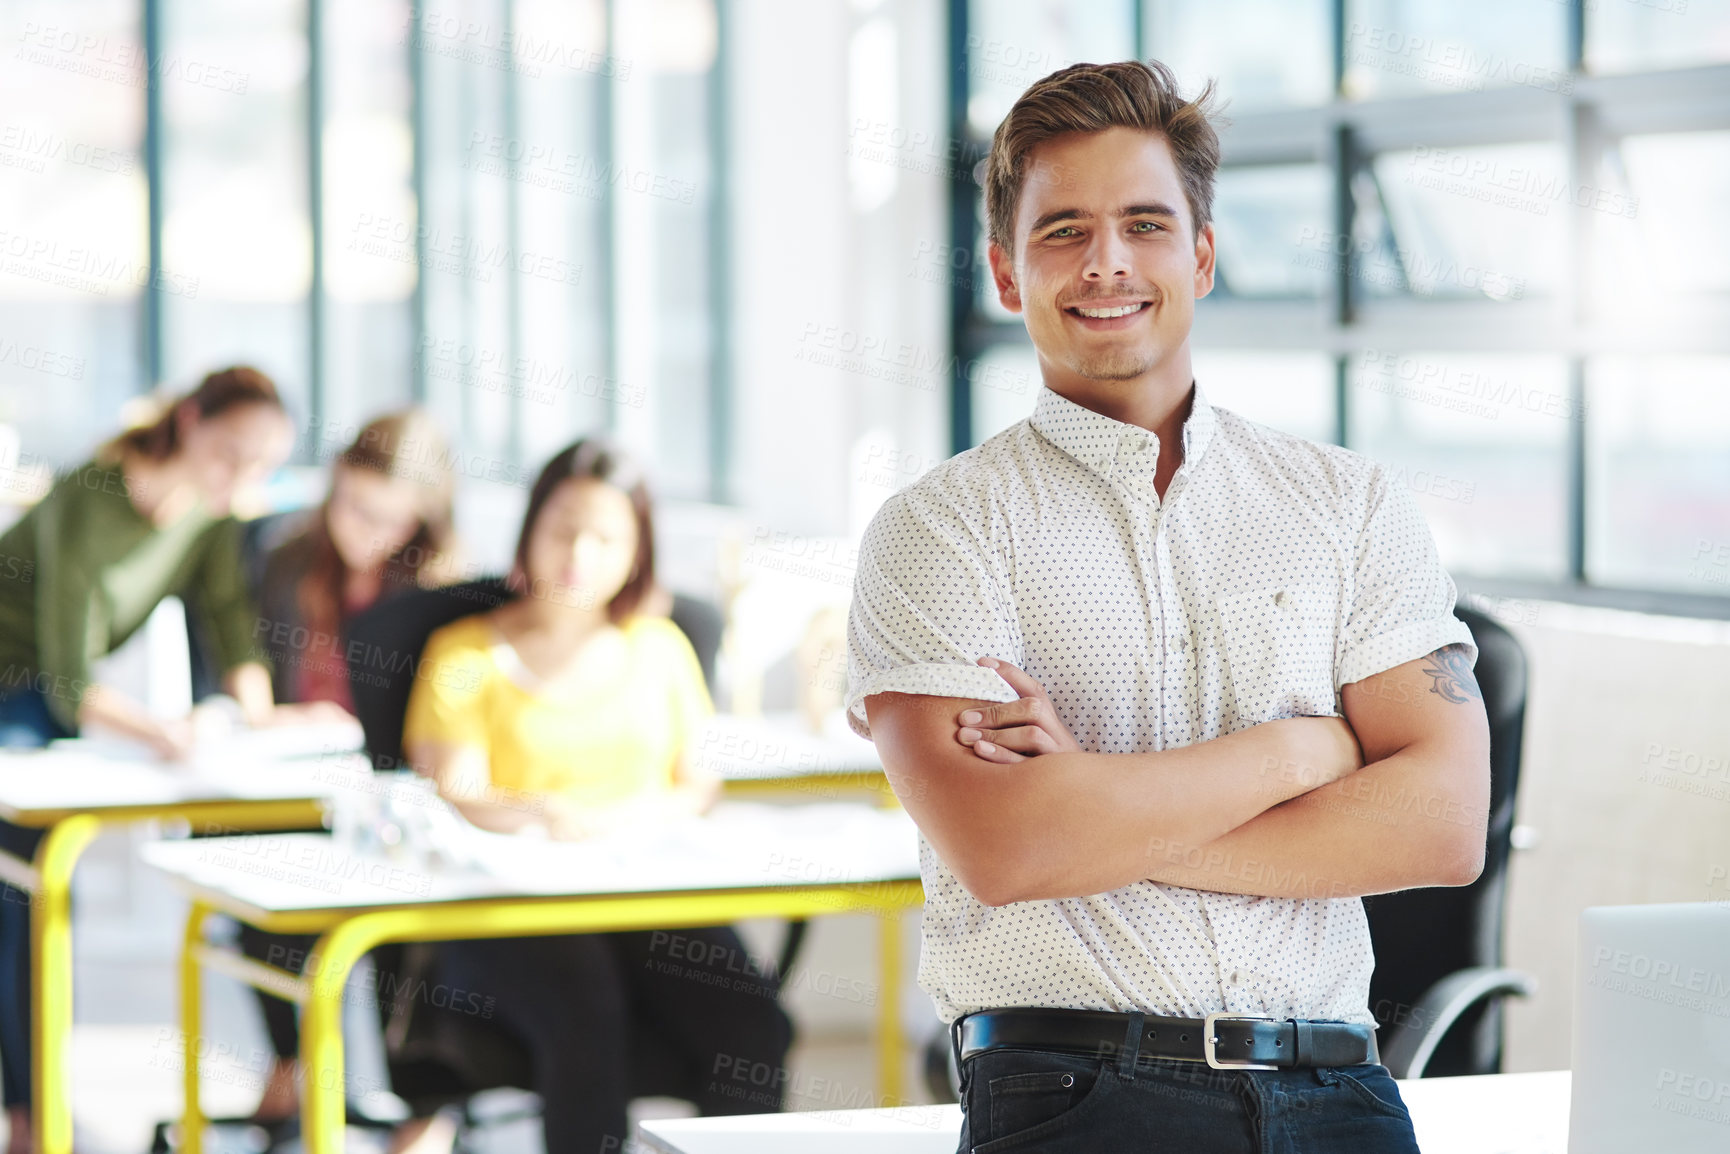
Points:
(1092, 98)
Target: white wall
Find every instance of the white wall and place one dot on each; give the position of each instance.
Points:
(1613, 697)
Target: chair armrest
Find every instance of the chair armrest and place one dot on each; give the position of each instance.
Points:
(1413, 1042)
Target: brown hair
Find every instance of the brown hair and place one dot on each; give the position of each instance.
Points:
(403, 444)
(1092, 98)
(220, 392)
(600, 459)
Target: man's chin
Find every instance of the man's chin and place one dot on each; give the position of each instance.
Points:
(1117, 367)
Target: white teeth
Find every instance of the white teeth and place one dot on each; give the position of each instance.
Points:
(1118, 312)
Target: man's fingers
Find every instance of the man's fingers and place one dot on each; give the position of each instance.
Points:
(1018, 680)
(992, 752)
(1021, 711)
(1029, 739)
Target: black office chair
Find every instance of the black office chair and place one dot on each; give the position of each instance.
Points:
(1439, 980)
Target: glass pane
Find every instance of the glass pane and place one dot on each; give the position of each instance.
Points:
(1625, 37)
(1012, 43)
(1663, 233)
(467, 261)
(1005, 387)
(1399, 47)
(1658, 475)
(1480, 440)
(1291, 391)
(1468, 222)
(235, 222)
(368, 176)
(1259, 213)
(561, 197)
(73, 251)
(673, 200)
(1264, 53)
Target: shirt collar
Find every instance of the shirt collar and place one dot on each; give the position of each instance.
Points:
(1105, 444)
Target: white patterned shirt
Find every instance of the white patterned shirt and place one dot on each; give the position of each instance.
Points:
(1275, 571)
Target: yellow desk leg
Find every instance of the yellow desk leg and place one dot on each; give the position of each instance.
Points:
(51, 981)
(192, 1030)
(323, 1109)
(889, 1045)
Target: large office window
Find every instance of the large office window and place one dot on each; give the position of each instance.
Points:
(1481, 241)
(504, 209)
(74, 249)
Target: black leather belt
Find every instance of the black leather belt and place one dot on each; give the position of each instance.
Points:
(1223, 1041)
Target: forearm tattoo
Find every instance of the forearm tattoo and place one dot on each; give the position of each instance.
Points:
(1452, 674)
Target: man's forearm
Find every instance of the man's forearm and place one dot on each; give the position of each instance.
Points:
(1082, 822)
(1412, 819)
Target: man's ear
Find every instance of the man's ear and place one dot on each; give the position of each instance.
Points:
(1204, 255)
(1003, 274)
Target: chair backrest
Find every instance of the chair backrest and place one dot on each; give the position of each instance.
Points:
(385, 644)
(1421, 936)
(389, 638)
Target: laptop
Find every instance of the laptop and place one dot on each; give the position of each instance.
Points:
(1651, 1053)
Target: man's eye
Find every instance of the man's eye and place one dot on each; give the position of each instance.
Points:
(1145, 226)
(1058, 233)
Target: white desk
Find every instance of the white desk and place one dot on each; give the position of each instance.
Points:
(1500, 1114)
(74, 788)
(744, 860)
(778, 754)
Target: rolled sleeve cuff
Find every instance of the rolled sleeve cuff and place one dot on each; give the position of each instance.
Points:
(935, 679)
(1382, 652)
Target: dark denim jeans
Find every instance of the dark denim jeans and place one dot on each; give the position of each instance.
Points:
(1031, 1100)
(25, 723)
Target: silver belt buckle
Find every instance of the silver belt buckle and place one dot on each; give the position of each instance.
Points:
(1210, 1042)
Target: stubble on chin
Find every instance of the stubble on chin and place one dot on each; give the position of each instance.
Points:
(1116, 365)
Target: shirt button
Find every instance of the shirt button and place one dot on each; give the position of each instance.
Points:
(1282, 598)
(1237, 978)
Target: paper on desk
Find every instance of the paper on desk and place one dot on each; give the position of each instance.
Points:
(739, 844)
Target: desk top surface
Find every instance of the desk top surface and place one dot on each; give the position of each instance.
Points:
(302, 763)
(1499, 1114)
(738, 846)
(101, 776)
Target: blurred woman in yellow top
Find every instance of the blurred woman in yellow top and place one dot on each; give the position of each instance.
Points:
(567, 712)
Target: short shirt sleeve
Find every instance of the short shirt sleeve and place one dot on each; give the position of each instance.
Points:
(447, 704)
(1403, 600)
(928, 601)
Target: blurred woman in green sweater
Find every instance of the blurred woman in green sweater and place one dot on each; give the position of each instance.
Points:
(79, 574)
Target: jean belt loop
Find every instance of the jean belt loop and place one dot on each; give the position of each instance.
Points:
(955, 1049)
(1130, 1052)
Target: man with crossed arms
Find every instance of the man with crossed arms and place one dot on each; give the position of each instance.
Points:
(1105, 658)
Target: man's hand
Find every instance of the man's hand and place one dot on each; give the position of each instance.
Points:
(1014, 730)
